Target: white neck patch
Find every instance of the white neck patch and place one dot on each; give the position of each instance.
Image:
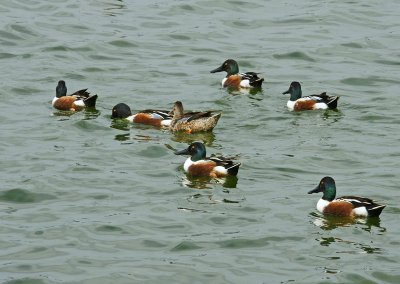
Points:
(187, 164)
(322, 203)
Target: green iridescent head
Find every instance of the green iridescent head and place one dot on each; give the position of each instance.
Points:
(328, 187)
(230, 66)
(294, 91)
(196, 150)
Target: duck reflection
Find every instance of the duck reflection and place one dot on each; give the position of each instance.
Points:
(183, 137)
(205, 182)
(329, 222)
(327, 241)
(120, 124)
(91, 113)
(88, 113)
(244, 91)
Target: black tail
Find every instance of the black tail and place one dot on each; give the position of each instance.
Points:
(375, 211)
(257, 83)
(90, 101)
(233, 170)
(333, 102)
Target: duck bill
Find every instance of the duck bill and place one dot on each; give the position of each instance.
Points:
(182, 152)
(315, 190)
(219, 69)
(287, 92)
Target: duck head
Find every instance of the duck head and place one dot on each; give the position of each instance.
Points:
(328, 187)
(121, 110)
(294, 91)
(196, 150)
(230, 66)
(61, 89)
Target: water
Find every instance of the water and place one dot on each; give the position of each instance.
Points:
(88, 200)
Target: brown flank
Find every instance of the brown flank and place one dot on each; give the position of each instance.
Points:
(233, 81)
(203, 169)
(66, 103)
(339, 208)
(146, 118)
(304, 105)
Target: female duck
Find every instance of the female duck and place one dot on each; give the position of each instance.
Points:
(345, 206)
(198, 165)
(192, 121)
(297, 102)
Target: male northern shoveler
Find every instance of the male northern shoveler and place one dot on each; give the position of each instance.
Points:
(345, 206)
(75, 101)
(192, 121)
(237, 80)
(297, 102)
(148, 116)
(198, 165)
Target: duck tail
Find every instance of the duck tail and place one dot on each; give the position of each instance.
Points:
(376, 210)
(332, 103)
(257, 83)
(90, 101)
(234, 169)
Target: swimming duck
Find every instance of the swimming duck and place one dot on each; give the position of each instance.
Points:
(148, 116)
(345, 206)
(237, 80)
(192, 121)
(198, 165)
(73, 102)
(297, 102)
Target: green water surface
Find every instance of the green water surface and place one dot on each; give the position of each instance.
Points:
(84, 199)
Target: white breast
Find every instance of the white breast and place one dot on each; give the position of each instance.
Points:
(223, 81)
(322, 204)
(290, 105)
(187, 164)
(54, 101)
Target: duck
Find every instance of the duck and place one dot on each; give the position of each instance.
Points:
(237, 80)
(345, 206)
(198, 164)
(192, 121)
(74, 102)
(149, 116)
(298, 103)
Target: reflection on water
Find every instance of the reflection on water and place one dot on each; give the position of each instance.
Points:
(88, 113)
(327, 241)
(244, 91)
(333, 115)
(122, 137)
(183, 137)
(207, 182)
(114, 8)
(328, 222)
(63, 113)
(91, 113)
